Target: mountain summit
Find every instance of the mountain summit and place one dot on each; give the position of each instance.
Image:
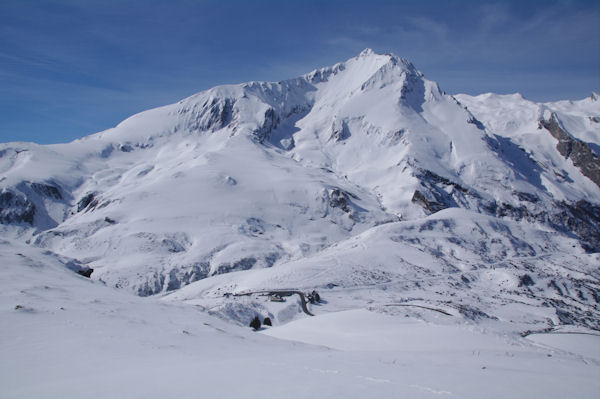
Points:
(362, 174)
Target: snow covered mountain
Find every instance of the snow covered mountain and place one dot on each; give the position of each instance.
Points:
(256, 174)
(363, 180)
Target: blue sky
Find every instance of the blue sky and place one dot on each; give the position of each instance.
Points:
(72, 68)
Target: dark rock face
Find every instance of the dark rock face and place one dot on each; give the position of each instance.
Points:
(255, 323)
(152, 286)
(210, 116)
(86, 273)
(15, 208)
(47, 190)
(581, 218)
(474, 121)
(181, 276)
(574, 149)
(270, 123)
(473, 313)
(242, 264)
(339, 131)
(186, 275)
(526, 197)
(432, 206)
(88, 202)
(219, 115)
(22, 203)
(323, 75)
(339, 199)
(439, 193)
(526, 281)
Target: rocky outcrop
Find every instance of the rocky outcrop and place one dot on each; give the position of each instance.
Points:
(580, 218)
(270, 123)
(87, 202)
(214, 114)
(182, 276)
(342, 200)
(438, 192)
(575, 150)
(339, 130)
(47, 190)
(36, 204)
(15, 208)
(430, 205)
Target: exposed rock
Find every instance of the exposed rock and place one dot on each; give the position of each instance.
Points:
(438, 192)
(242, 264)
(553, 284)
(253, 227)
(15, 208)
(431, 206)
(86, 272)
(213, 115)
(581, 218)
(339, 130)
(270, 122)
(473, 313)
(528, 197)
(173, 245)
(526, 281)
(125, 147)
(255, 323)
(47, 190)
(182, 276)
(153, 285)
(88, 202)
(576, 150)
(474, 121)
(339, 199)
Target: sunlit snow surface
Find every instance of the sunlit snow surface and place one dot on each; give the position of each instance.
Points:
(308, 184)
(64, 336)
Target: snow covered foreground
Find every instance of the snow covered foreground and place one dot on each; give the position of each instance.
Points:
(64, 336)
(454, 241)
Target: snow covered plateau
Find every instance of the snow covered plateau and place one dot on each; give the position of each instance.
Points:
(453, 240)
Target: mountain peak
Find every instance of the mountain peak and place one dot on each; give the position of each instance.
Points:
(367, 52)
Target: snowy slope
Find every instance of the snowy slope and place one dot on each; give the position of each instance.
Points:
(66, 336)
(462, 215)
(517, 118)
(471, 266)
